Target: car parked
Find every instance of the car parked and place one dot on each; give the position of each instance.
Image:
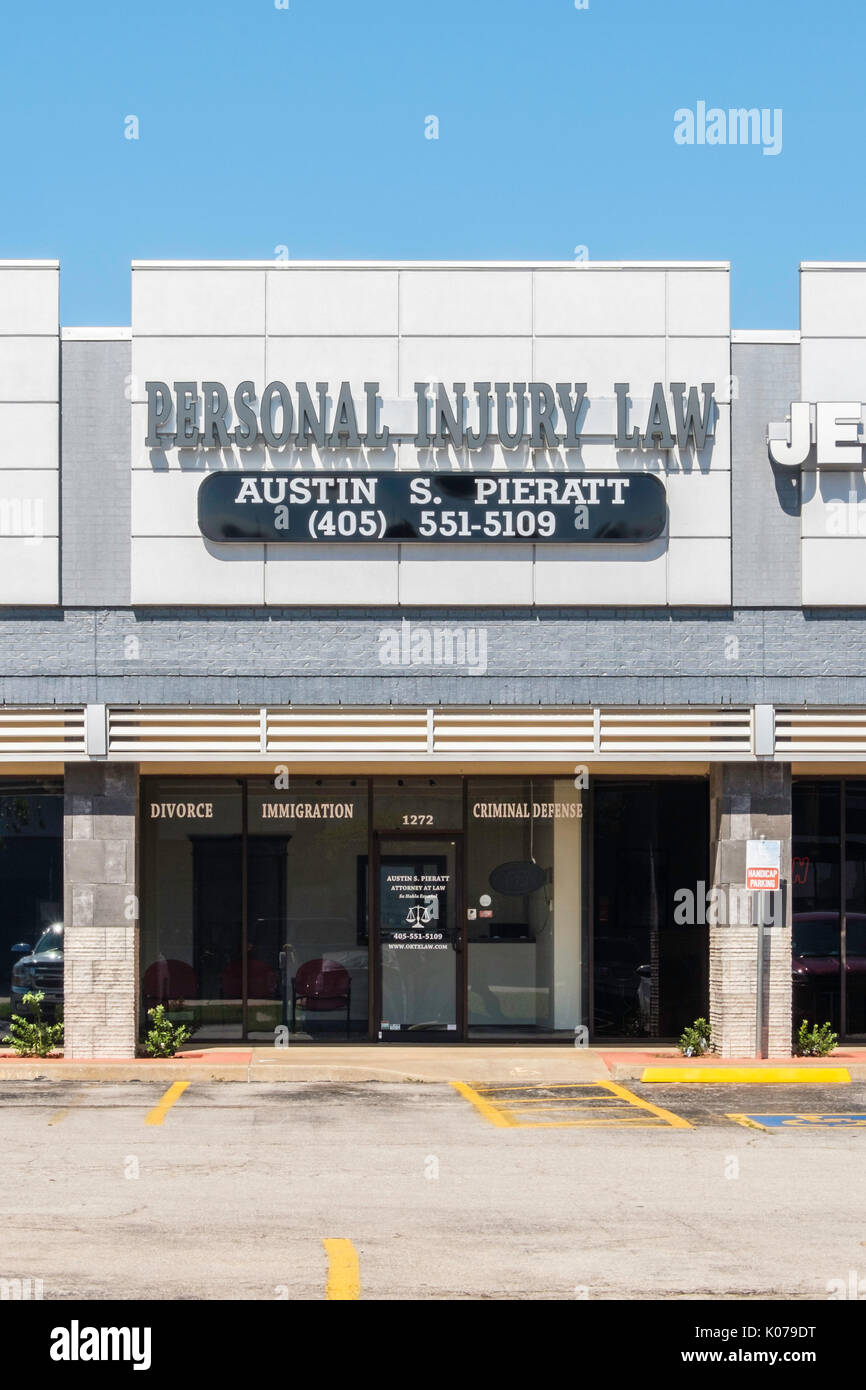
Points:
(39, 968)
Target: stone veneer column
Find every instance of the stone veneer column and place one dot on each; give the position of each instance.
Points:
(748, 801)
(100, 947)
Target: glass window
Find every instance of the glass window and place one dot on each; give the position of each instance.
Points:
(523, 877)
(855, 907)
(307, 931)
(31, 867)
(650, 840)
(816, 946)
(417, 803)
(191, 937)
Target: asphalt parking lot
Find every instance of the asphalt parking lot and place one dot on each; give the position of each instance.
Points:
(548, 1192)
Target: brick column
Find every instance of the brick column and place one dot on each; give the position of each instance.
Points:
(100, 948)
(746, 802)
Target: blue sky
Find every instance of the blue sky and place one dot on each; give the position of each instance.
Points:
(305, 127)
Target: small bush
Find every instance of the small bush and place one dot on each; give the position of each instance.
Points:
(33, 1037)
(164, 1037)
(696, 1039)
(815, 1041)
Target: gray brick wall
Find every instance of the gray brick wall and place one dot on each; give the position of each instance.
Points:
(765, 499)
(95, 484)
(782, 656)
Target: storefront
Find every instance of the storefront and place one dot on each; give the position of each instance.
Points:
(408, 652)
(421, 908)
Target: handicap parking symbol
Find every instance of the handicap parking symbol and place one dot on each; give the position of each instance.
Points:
(807, 1120)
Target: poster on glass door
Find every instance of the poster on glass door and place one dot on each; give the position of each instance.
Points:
(414, 910)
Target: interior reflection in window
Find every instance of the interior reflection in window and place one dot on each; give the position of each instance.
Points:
(649, 972)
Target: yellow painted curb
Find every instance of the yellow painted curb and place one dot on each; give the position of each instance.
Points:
(740, 1076)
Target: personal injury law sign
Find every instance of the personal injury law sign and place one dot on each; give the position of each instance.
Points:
(763, 861)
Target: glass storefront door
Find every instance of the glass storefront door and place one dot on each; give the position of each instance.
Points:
(420, 937)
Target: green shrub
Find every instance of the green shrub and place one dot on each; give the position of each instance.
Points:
(165, 1037)
(33, 1037)
(815, 1041)
(696, 1039)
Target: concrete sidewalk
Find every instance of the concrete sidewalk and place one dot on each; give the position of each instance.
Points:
(501, 1065)
(337, 1064)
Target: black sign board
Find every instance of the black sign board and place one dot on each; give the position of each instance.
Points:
(518, 878)
(453, 507)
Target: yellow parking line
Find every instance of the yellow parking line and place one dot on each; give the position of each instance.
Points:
(60, 1115)
(585, 1117)
(561, 1100)
(586, 1124)
(544, 1085)
(161, 1109)
(676, 1121)
(344, 1270)
(490, 1112)
(618, 1107)
(747, 1123)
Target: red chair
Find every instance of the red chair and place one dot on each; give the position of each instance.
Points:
(321, 986)
(168, 979)
(261, 980)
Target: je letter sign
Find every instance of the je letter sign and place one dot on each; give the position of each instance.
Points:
(762, 865)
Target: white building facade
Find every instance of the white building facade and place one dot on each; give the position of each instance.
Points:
(409, 652)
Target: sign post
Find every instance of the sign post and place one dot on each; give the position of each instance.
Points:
(763, 867)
